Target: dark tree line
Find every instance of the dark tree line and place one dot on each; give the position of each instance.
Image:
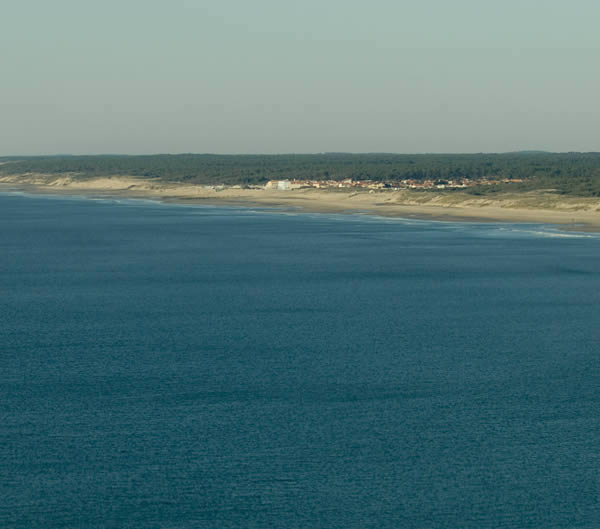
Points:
(568, 173)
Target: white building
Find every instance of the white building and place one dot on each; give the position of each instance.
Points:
(280, 185)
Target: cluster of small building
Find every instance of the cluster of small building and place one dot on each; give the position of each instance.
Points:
(348, 183)
(286, 185)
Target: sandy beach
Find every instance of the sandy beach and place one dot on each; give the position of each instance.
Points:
(574, 213)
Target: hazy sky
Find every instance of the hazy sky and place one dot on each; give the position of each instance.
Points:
(268, 76)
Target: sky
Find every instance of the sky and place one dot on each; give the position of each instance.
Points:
(279, 76)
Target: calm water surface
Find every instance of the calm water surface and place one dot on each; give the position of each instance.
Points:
(181, 367)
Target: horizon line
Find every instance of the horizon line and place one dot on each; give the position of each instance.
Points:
(321, 153)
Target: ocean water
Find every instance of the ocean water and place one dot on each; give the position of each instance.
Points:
(166, 366)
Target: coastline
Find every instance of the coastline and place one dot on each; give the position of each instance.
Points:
(568, 213)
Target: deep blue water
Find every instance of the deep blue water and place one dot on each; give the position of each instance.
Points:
(180, 367)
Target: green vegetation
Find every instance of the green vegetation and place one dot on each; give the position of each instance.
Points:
(566, 173)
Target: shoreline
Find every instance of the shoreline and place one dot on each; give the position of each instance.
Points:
(567, 213)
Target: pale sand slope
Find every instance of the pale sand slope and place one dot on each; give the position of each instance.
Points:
(580, 213)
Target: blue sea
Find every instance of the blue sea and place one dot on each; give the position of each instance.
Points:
(168, 366)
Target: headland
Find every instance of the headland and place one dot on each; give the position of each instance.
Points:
(539, 206)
